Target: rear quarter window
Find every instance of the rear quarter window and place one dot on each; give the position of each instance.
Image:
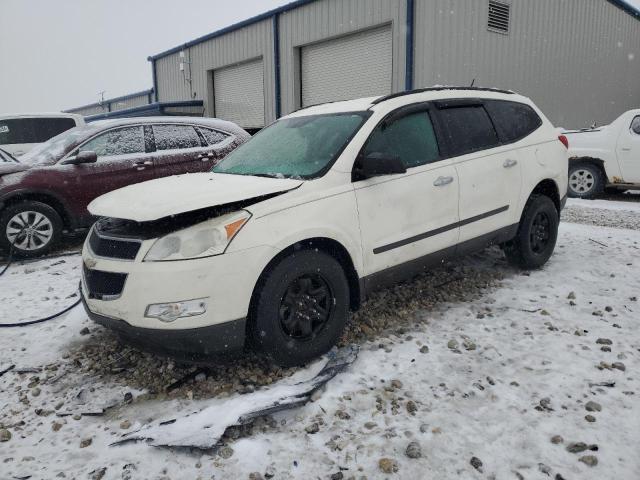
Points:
(513, 120)
(635, 125)
(467, 129)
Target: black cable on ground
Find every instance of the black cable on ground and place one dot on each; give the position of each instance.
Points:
(41, 320)
(9, 260)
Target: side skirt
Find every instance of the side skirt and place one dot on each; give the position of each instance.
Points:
(410, 269)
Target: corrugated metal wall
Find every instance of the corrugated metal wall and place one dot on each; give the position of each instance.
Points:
(578, 59)
(88, 110)
(130, 102)
(251, 42)
(572, 57)
(326, 19)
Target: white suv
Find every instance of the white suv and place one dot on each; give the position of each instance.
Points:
(20, 133)
(295, 227)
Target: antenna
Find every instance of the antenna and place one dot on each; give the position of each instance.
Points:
(101, 102)
(472, 82)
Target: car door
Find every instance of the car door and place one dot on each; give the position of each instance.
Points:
(405, 217)
(180, 149)
(629, 151)
(489, 174)
(123, 159)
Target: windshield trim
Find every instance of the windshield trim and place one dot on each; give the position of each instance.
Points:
(364, 114)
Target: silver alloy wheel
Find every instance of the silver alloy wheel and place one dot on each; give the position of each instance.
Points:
(29, 230)
(582, 181)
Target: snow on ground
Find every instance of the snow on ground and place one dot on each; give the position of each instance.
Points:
(487, 382)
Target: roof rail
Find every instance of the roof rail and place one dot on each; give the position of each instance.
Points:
(438, 89)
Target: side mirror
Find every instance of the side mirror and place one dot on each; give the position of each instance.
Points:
(378, 164)
(83, 157)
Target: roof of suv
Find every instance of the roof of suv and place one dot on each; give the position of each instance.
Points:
(426, 94)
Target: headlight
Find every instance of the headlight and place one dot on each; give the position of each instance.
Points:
(202, 240)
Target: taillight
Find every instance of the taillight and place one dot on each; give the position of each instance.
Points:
(564, 140)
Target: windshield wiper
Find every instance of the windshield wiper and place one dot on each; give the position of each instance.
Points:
(9, 156)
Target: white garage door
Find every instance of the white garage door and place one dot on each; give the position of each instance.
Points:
(349, 67)
(239, 94)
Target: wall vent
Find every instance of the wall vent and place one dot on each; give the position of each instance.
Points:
(499, 16)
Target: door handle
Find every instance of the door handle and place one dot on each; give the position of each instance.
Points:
(442, 181)
(509, 163)
(626, 149)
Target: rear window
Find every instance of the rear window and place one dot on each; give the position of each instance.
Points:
(175, 137)
(468, 129)
(513, 120)
(32, 130)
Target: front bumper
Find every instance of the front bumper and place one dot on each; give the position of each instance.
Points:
(192, 345)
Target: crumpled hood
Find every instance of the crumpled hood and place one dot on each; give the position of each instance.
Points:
(7, 168)
(156, 199)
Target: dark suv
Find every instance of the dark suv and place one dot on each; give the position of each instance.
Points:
(47, 191)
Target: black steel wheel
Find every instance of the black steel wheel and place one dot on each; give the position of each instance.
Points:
(300, 307)
(535, 241)
(306, 307)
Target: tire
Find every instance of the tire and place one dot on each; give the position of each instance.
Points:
(301, 308)
(537, 234)
(585, 180)
(44, 229)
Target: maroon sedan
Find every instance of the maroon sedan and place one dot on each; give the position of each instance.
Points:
(47, 191)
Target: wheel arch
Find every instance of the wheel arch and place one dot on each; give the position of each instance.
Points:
(39, 196)
(598, 162)
(549, 188)
(324, 244)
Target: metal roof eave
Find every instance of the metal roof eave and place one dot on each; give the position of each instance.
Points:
(151, 107)
(111, 100)
(627, 7)
(231, 28)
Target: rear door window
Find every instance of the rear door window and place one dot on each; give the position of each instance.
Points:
(120, 141)
(411, 138)
(467, 129)
(175, 137)
(32, 130)
(513, 120)
(213, 137)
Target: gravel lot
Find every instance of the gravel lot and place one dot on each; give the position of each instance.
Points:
(508, 352)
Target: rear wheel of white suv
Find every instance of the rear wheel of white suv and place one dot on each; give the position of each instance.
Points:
(537, 234)
(301, 308)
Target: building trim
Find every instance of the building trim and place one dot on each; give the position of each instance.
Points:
(276, 65)
(109, 101)
(156, 107)
(154, 78)
(627, 7)
(408, 81)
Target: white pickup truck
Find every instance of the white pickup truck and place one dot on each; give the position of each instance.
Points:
(605, 158)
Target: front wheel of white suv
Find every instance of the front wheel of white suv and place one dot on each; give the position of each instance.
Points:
(537, 234)
(301, 308)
